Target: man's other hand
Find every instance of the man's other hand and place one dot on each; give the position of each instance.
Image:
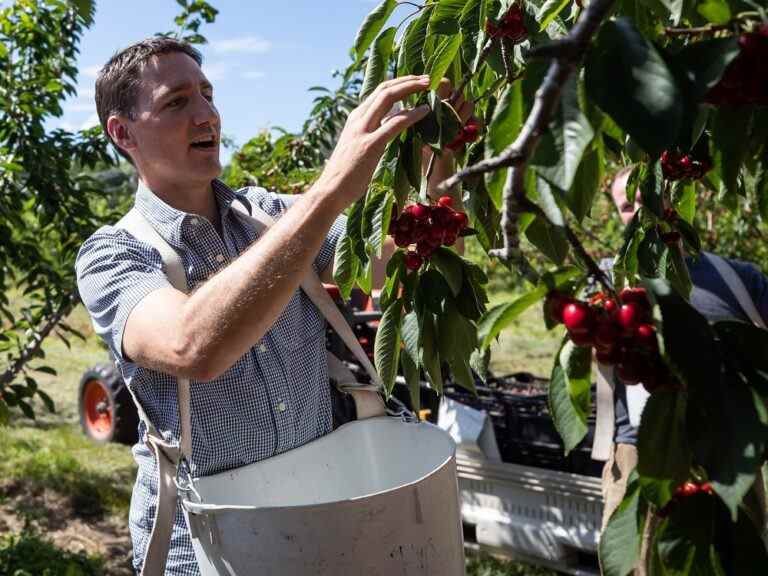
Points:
(368, 130)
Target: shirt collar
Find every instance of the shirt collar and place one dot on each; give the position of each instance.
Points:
(170, 221)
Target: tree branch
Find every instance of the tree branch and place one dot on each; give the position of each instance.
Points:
(567, 54)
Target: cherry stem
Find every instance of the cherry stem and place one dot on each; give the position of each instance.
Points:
(468, 75)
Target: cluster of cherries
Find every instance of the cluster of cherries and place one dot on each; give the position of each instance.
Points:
(678, 166)
(621, 332)
(745, 81)
(468, 133)
(428, 227)
(685, 490)
(509, 26)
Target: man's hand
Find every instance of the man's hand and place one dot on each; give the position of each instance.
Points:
(368, 130)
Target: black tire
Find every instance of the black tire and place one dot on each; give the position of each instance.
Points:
(107, 412)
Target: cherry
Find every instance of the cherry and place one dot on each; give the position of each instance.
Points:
(413, 260)
(707, 489)
(606, 335)
(419, 211)
(402, 239)
(446, 201)
(638, 295)
(610, 306)
(577, 317)
(687, 489)
(629, 370)
(645, 336)
(583, 339)
(424, 249)
(435, 236)
(449, 239)
(629, 316)
(460, 219)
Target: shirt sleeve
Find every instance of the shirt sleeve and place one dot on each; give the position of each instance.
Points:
(276, 204)
(114, 273)
(756, 283)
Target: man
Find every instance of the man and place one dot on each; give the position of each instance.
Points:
(712, 297)
(237, 332)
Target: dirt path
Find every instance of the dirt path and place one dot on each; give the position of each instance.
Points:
(57, 520)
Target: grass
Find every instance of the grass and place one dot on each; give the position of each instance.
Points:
(48, 468)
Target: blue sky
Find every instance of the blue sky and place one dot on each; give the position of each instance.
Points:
(262, 56)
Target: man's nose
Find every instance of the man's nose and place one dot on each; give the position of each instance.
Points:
(205, 111)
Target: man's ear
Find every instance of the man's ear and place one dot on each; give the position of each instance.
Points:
(120, 133)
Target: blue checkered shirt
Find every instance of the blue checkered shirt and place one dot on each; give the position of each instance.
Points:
(271, 400)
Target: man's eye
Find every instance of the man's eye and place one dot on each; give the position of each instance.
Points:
(208, 97)
(175, 103)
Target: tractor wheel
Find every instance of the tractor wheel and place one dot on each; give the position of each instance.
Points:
(107, 412)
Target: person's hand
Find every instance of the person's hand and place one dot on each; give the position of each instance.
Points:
(368, 130)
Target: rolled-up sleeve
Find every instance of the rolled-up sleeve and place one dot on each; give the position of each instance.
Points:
(114, 273)
(276, 204)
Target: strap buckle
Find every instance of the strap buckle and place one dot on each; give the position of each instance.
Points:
(184, 479)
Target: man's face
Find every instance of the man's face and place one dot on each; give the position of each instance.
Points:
(176, 128)
(619, 193)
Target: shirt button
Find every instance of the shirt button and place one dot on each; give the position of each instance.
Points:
(219, 258)
(194, 221)
(262, 348)
(281, 406)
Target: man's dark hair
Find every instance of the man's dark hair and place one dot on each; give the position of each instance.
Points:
(118, 82)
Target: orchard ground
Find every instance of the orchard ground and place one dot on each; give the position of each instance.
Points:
(75, 494)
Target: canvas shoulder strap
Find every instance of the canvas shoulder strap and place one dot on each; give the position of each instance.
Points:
(167, 455)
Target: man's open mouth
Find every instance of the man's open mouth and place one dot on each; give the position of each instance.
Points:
(204, 142)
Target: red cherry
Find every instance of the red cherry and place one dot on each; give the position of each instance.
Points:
(435, 236)
(442, 216)
(449, 239)
(645, 336)
(460, 220)
(707, 489)
(638, 295)
(628, 370)
(629, 316)
(413, 260)
(686, 489)
(446, 201)
(424, 249)
(402, 239)
(610, 306)
(577, 317)
(606, 335)
(420, 211)
(583, 339)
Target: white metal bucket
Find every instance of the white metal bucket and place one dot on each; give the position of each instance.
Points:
(375, 497)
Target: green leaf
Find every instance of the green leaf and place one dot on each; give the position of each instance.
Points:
(502, 131)
(410, 59)
(549, 11)
(569, 394)
(705, 62)
(445, 16)
(450, 266)
(729, 144)
(355, 229)
(430, 354)
(457, 339)
(586, 183)
(548, 238)
(440, 61)
(629, 80)
(664, 457)
(345, 266)
(371, 27)
(376, 216)
(47, 400)
(376, 71)
(620, 542)
(715, 11)
(386, 349)
(652, 190)
(685, 540)
(45, 370)
(410, 357)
